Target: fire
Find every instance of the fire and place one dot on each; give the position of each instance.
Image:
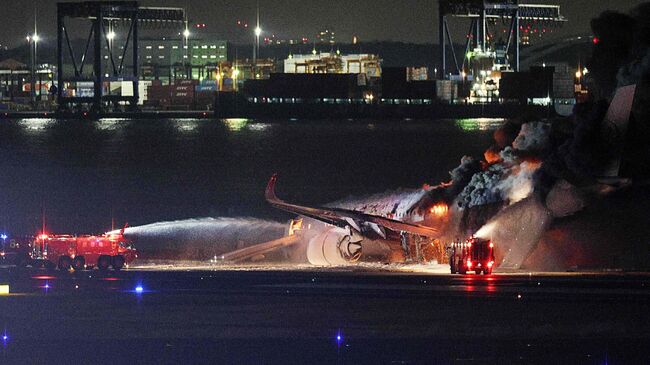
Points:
(440, 209)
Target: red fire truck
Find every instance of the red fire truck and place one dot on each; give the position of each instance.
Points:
(475, 254)
(81, 252)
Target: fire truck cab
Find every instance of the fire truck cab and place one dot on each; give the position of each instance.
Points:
(81, 252)
(15, 250)
(475, 254)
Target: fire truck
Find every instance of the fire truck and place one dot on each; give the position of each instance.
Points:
(82, 252)
(475, 254)
(15, 250)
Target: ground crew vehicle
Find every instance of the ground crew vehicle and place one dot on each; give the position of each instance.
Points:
(15, 250)
(475, 254)
(81, 252)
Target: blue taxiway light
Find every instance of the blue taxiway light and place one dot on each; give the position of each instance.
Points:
(139, 289)
(4, 236)
(339, 337)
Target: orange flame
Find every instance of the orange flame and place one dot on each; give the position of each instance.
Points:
(440, 209)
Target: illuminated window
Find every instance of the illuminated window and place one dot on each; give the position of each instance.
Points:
(161, 47)
(174, 47)
(149, 47)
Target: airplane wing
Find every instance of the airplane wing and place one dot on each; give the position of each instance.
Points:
(344, 217)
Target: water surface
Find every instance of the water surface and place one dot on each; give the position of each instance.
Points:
(143, 171)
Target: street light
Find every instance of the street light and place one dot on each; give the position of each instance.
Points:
(110, 36)
(33, 49)
(256, 46)
(185, 51)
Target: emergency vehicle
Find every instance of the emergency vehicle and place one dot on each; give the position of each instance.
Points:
(82, 252)
(15, 250)
(475, 254)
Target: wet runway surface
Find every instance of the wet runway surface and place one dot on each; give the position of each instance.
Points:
(257, 316)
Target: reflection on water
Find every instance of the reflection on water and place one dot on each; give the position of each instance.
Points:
(147, 171)
(36, 125)
(480, 124)
(236, 124)
(187, 124)
(110, 124)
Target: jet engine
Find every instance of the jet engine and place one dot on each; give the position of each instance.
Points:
(336, 246)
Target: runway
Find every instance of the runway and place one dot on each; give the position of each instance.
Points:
(275, 314)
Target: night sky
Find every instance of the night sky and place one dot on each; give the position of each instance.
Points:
(403, 20)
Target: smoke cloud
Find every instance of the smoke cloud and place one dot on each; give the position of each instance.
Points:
(533, 137)
(511, 178)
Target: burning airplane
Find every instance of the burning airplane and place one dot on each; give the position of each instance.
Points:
(551, 194)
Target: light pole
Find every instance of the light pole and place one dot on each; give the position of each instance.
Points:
(186, 47)
(256, 46)
(32, 41)
(258, 32)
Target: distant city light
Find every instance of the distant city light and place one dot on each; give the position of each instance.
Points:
(36, 38)
(110, 36)
(258, 31)
(186, 33)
